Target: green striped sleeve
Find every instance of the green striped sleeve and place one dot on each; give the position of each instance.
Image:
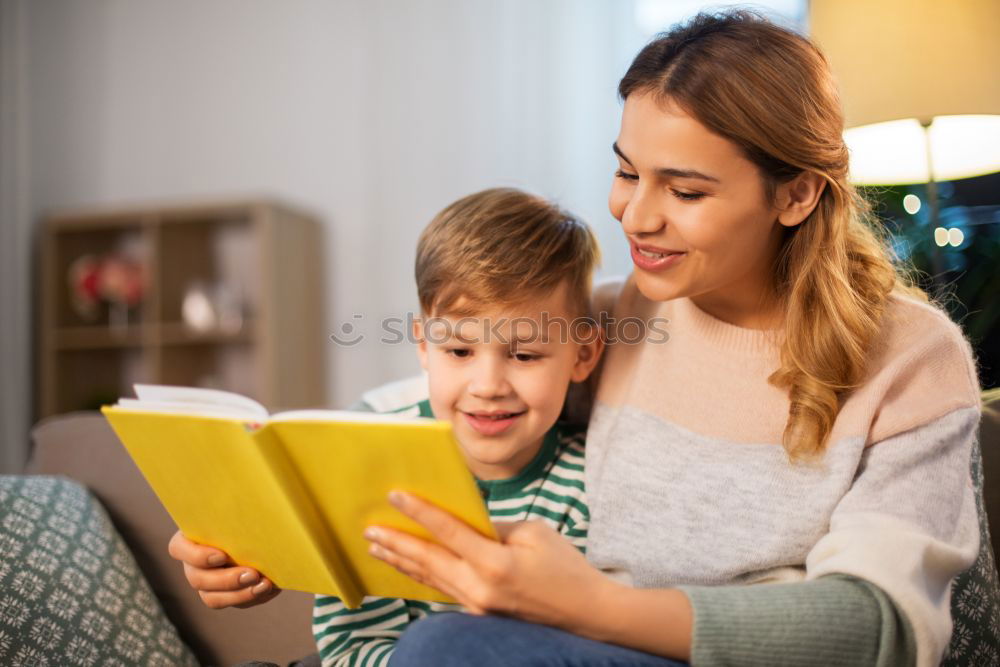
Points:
(555, 480)
(375, 653)
(557, 516)
(560, 497)
(362, 636)
(568, 464)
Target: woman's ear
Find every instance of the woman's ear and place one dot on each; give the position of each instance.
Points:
(797, 198)
(588, 354)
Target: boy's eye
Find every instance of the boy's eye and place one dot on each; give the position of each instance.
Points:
(526, 356)
(458, 352)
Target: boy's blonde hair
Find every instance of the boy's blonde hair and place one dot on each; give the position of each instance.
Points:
(502, 248)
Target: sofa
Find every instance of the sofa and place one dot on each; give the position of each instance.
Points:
(79, 468)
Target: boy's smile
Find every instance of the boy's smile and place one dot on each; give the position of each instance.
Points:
(491, 423)
(500, 380)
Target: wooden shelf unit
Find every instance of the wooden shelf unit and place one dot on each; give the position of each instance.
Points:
(266, 254)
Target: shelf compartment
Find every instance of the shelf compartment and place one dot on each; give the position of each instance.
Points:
(227, 366)
(131, 239)
(99, 337)
(214, 254)
(110, 375)
(178, 333)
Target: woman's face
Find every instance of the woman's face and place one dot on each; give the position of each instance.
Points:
(693, 209)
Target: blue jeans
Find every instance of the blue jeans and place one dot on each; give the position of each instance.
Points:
(460, 640)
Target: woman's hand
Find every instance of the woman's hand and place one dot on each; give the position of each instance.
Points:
(532, 573)
(219, 581)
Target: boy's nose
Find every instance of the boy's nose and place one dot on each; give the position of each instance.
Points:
(488, 380)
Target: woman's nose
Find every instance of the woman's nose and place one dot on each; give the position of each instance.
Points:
(643, 214)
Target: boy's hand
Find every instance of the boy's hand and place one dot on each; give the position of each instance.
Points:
(219, 581)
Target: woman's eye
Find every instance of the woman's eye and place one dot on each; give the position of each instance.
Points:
(687, 196)
(627, 176)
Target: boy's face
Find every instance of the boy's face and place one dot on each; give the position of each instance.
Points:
(499, 382)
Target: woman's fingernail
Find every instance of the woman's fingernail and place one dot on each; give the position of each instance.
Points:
(372, 533)
(397, 498)
(375, 550)
(262, 587)
(248, 578)
(215, 560)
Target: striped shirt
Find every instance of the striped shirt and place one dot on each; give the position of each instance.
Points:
(549, 489)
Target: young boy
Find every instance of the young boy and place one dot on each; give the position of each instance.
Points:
(503, 279)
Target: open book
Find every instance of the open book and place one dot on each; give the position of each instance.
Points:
(290, 494)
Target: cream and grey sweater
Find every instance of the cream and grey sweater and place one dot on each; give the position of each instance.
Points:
(846, 561)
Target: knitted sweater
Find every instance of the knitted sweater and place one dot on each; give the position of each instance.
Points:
(852, 558)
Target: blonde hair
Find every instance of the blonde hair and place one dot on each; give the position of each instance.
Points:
(500, 248)
(770, 91)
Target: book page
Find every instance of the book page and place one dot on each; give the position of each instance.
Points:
(349, 416)
(191, 409)
(198, 397)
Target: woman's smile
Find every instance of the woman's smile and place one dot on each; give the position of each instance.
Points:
(652, 258)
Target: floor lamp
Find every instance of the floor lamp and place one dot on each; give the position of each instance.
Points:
(920, 88)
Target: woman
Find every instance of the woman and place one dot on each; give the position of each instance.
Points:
(806, 429)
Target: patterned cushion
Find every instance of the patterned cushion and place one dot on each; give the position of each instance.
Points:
(975, 596)
(70, 591)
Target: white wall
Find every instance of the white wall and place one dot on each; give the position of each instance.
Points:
(372, 113)
(15, 238)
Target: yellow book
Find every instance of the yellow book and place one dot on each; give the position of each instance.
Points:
(290, 494)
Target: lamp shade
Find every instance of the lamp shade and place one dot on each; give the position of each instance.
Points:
(919, 84)
(911, 58)
(895, 152)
